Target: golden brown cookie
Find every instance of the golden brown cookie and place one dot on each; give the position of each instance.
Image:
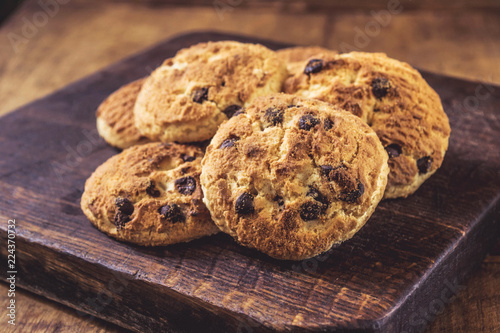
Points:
(295, 56)
(191, 94)
(115, 117)
(291, 176)
(149, 195)
(394, 99)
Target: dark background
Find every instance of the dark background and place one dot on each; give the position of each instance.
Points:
(6, 7)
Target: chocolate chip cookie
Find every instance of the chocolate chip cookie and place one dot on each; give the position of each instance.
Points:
(115, 117)
(191, 94)
(295, 56)
(149, 195)
(394, 99)
(291, 176)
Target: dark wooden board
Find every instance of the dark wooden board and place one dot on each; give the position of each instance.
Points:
(404, 266)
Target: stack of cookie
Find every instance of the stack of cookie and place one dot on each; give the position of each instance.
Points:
(305, 142)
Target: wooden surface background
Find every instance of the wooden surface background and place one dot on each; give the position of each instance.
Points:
(38, 56)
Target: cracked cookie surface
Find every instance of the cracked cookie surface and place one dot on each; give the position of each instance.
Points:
(149, 195)
(394, 99)
(115, 117)
(191, 94)
(291, 176)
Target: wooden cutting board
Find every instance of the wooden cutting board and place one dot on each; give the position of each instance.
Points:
(401, 269)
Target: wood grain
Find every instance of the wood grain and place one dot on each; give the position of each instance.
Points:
(28, 73)
(458, 43)
(464, 44)
(430, 40)
(411, 253)
(476, 307)
(312, 5)
(37, 314)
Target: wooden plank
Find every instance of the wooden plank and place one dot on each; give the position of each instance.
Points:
(476, 308)
(409, 252)
(27, 66)
(61, 52)
(331, 4)
(434, 31)
(36, 314)
(463, 44)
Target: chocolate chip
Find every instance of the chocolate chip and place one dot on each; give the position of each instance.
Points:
(228, 143)
(274, 116)
(121, 219)
(328, 124)
(351, 196)
(279, 200)
(292, 106)
(424, 164)
(187, 158)
(380, 87)
(307, 122)
(185, 185)
(200, 95)
(152, 190)
(333, 173)
(240, 111)
(316, 195)
(172, 213)
(231, 110)
(124, 206)
(326, 170)
(393, 150)
(244, 204)
(310, 211)
(313, 66)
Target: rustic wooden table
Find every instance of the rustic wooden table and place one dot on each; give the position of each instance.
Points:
(43, 48)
